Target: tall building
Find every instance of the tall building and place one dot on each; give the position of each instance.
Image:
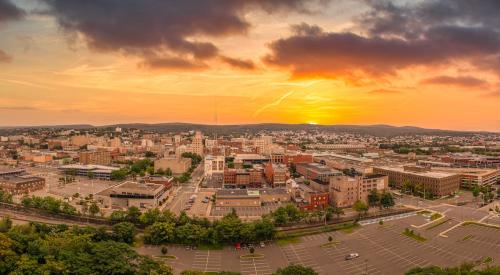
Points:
(196, 145)
(345, 191)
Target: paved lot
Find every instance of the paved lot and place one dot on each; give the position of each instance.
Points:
(255, 267)
(383, 249)
(207, 261)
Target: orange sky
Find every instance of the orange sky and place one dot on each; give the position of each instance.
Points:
(55, 75)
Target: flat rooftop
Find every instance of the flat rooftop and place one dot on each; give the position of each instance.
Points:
(431, 174)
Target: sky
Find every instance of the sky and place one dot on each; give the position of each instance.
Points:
(433, 64)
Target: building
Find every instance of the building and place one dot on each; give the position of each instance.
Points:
(12, 172)
(97, 171)
(16, 185)
(166, 181)
(196, 145)
(79, 140)
(99, 157)
(127, 194)
(471, 161)
(316, 172)
(474, 176)
(276, 174)
(242, 178)
(308, 198)
(289, 159)
(250, 197)
(340, 162)
(345, 191)
(214, 164)
(433, 182)
(176, 165)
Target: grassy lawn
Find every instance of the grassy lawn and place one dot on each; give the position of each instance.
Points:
(252, 256)
(288, 240)
(165, 257)
(409, 233)
(437, 224)
(348, 229)
(435, 216)
(330, 244)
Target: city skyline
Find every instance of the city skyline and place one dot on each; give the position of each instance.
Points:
(421, 63)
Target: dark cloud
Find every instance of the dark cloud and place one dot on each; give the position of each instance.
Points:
(173, 63)
(9, 11)
(18, 108)
(413, 18)
(161, 27)
(238, 63)
(394, 35)
(463, 81)
(4, 57)
(310, 51)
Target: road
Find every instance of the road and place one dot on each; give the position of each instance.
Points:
(184, 192)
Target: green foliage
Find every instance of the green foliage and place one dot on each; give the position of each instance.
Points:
(49, 204)
(93, 209)
(124, 232)
(295, 269)
(166, 228)
(387, 200)
(374, 197)
(465, 268)
(5, 224)
(5, 197)
(360, 207)
(119, 174)
(54, 249)
(195, 158)
(286, 214)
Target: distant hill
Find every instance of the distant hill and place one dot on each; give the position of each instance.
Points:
(376, 130)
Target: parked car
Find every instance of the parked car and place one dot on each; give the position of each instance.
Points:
(351, 256)
(262, 244)
(204, 201)
(237, 246)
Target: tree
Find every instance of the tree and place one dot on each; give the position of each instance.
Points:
(124, 232)
(373, 197)
(295, 269)
(85, 206)
(133, 214)
(93, 209)
(151, 216)
(330, 239)
(386, 200)
(160, 233)
(164, 250)
(252, 250)
(360, 207)
(118, 216)
(338, 211)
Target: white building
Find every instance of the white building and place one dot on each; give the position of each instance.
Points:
(214, 164)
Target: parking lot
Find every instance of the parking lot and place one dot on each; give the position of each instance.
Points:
(382, 249)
